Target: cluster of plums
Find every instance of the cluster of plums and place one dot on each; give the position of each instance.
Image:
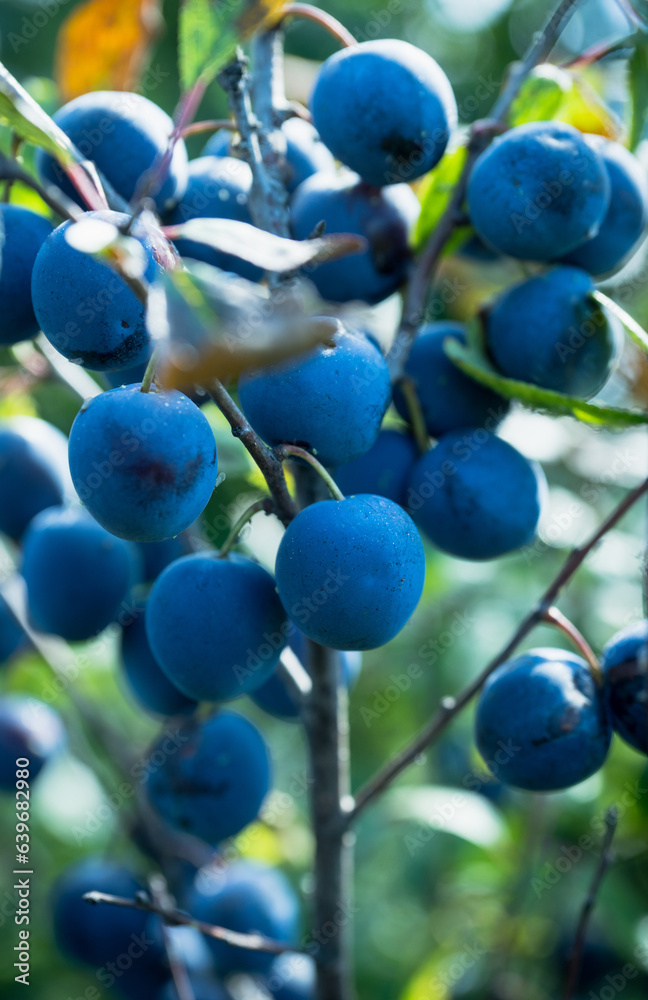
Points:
(349, 572)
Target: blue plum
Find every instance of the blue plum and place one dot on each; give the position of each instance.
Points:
(124, 135)
(148, 682)
(275, 697)
(12, 636)
(248, 897)
(143, 463)
(22, 234)
(383, 470)
(156, 556)
(305, 154)
(347, 385)
(292, 977)
(215, 781)
(31, 730)
(218, 188)
(625, 666)
(216, 626)
(541, 722)
(475, 496)
(538, 191)
(203, 987)
(450, 401)
(550, 331)
(385, 109)
(34, 472)
(625, 221)
(78, 576)
(347, 205)
(350, 572)
(86, 311)
(99, 934)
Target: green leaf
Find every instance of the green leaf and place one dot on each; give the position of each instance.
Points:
(449, 810)
(265, 250)
(25, 117)
(541, 95)
(637, 332)
(435, 193)
(210, 30)
(474, 364)
(550, 93)
(638, 81)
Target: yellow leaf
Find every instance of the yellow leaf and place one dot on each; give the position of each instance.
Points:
(104, 44)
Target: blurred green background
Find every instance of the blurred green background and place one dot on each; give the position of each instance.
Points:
(473, 896)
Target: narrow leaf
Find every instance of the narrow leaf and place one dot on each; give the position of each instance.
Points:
(541, 95)
(637, 332)
(435, 193)
(265, 250)
(104, 45)
(25, 117)
(474, 364)
(210, 30)
(638, 82)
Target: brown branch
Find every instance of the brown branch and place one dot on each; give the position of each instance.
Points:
(450, 707)
(264, 457)
(604, 863)
(480, 135)
(177, 918)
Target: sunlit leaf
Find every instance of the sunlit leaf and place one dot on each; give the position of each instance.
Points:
(210, 30)
(104, 45)
(28, 120)
(449, 810)
(541, 95)
(435, 193)
(475, 364)
(638, 81)
(553, 94)
(211, 324)
(265, 250)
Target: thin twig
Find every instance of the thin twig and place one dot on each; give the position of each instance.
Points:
(161, 897)
(264, 457)
(265, 504)
(416, 418)
(209, 125)
(294, 451)
(553, 616)
(480, 135)
(450, 707)
(604, 863)
(308, 12)
(177, 918)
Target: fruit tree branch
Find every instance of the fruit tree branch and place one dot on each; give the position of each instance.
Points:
(450, 707)
(264, 457)
(310, 13)
(480, 135)
(268, 198)
(176, 918)
(604, 863)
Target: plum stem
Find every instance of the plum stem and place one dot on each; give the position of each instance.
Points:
(308, 12)
(635, 329)
(422, 273)
(294, 451)
(264, 504)
(177, 918)
(552, 616)
(417, 420)
(209, 125)
(450, 707)
(605, 860)
(151, 369)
